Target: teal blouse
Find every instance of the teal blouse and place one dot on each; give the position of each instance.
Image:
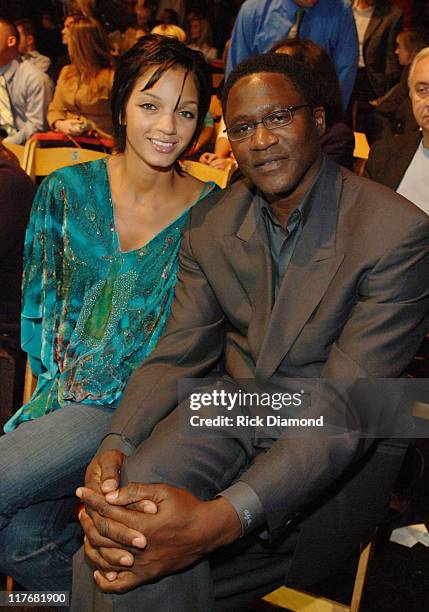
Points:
(90, 312)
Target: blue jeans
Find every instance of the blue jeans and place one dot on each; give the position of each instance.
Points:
(41, 464)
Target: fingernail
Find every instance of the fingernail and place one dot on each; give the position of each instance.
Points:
(79, 493)
(112, 496)
(126, 560)
(139, 542)
(109, 485)
(111, 576)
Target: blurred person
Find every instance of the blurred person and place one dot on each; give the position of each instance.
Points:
(81, 102)
(27, 45)
(402, 162)
(170, 30)
(101, 262)
(143, 13)
(200, 37)
(261, 24)
(64, 58)
(16, 197)
(170, 10)
(25, 91)
(378, 23)
(338, 139)
(393, 112)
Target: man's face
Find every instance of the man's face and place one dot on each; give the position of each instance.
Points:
(419, 93)
(283, 160)
(143, 13)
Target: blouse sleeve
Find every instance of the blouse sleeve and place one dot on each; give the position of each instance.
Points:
(57, 107)
(42, 275)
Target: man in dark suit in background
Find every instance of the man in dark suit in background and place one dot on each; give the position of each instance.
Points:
(285, 275)
(402, 162)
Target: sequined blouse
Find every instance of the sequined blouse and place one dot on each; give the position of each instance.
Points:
(90, 312)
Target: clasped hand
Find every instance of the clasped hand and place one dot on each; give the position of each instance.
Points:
(141, 532)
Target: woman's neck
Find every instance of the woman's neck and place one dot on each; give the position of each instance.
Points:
(139, 180)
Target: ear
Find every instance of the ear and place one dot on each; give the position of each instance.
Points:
(319, 119)
(11, 41)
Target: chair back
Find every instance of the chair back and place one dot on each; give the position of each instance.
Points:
(361, 149)
(207, 173)
(41, 162)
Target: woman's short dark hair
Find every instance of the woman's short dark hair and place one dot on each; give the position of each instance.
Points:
(324, 77)
(165, 53)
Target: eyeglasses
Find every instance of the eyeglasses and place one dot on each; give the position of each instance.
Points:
(278, 119)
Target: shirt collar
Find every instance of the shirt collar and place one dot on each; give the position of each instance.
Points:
(9, 69)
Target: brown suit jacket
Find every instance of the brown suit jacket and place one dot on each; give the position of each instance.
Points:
(353, 304)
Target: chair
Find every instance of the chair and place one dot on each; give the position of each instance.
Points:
(361, 149)
(207, 173)
(18, 150)
(301, 601)
(41, 162)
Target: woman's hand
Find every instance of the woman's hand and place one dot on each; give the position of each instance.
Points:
(70, 127)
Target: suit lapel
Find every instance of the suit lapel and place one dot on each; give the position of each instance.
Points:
(374, 23)
(313, 265)
(249, 255)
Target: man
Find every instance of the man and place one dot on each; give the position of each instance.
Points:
(25, 91)
(262, 24)
(27, 46)
(378, 23)
(402, 162)
(284, 275)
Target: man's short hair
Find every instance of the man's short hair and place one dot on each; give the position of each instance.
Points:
(420, 55)
(11, 28)
(300, 76)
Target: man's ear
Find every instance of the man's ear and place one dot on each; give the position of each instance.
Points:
(11, 41)
(319, 119)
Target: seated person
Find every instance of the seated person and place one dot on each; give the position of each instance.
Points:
(16, 197)
(338, 139)
(393, 113)
(200, 37)
(402, 162)
(25, 90)
(285, 275)
(81, 102)
(27, 45)
(100, 270)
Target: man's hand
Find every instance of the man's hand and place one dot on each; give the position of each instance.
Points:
(102, 474)
(183, 530)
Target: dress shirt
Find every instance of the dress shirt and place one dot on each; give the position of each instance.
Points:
(42, 62)
(415, 182)
(261, 24)
(30, 92)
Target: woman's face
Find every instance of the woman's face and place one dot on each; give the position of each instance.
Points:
(68, 22)
(161, 121)
(404, 56)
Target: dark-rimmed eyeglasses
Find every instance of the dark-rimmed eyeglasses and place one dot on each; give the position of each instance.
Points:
(274, 120)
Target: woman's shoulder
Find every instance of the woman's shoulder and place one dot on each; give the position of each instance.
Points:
(196, 188)
(83, 175)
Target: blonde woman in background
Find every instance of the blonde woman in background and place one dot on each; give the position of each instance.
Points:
(201, 39)
(81, 101)
(171, 30)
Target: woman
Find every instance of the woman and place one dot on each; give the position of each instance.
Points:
(81, 101)
(201, 39)
(101, 264)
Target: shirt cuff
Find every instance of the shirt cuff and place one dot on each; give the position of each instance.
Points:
(247, 505)
(115, 441)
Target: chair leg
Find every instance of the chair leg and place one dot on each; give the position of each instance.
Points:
(9, 584)
(360, 579)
